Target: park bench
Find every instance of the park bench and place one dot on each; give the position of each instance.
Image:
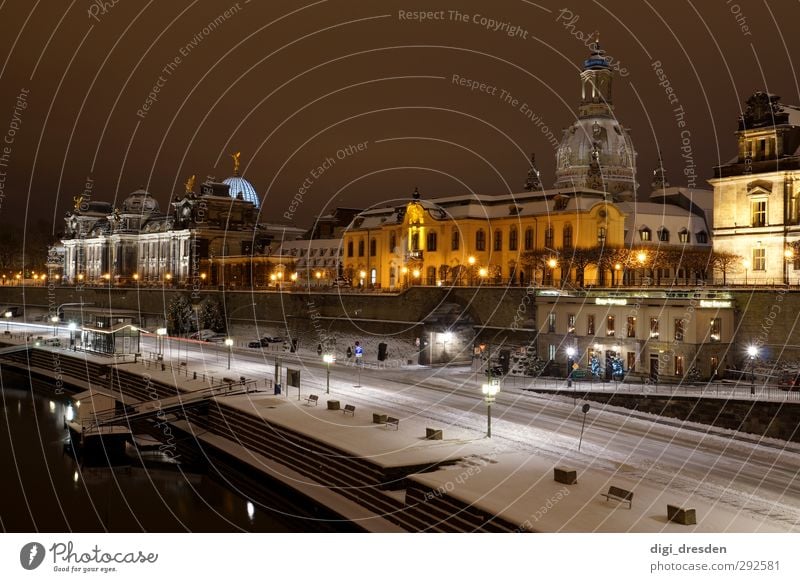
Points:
(433, 434)
(312, 399)
(619, 494)
(349, 409)
(392, 422)
(565, 476)
(681, 515)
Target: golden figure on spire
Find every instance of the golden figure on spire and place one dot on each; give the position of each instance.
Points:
(189, 185)
(236, 157)
(77, 200)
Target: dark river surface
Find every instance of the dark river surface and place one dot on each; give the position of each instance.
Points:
(44, 488)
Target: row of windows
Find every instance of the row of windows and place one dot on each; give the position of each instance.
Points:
(646, 235)
(714, 334)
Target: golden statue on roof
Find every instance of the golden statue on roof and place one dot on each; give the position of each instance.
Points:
(77, 200)
(236, 157)
(189, 185)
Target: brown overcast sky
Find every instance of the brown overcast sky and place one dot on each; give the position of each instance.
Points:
(291, 83)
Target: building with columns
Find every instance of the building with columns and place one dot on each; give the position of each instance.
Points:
(757, 193)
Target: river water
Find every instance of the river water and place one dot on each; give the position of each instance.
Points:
(44, 488)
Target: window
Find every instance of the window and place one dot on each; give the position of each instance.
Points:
(455, 240)
(630, 328)
(373, 248)
(601, 235)
(590, 325)
(551, 352)
(663, 235)
(480, 240)
(373, 276)
(631, 361)
(529, 239)
(678, 330)
(571, 323)
(679, 365)
(644, 234)
(431, 278)
(392, 241)
(498, 240)
(758, 213)
(361, 248)
(654, 328)
(714, 333)
(702, 237)
(551, 322)
(567, 236)
(683, 235)
(759, 259)
(548, 237)
(513, 238)
(431, 246)
(349, 248)
(414, 241)
(610, 330)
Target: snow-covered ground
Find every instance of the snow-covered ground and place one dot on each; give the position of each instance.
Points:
(735, 482)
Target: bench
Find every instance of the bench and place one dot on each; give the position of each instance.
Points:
(349, 409)
(565, 476)
(619, 494)
(312, 399)
(378, 418)
(391, 421)
(333, 405)
(433, 434)
(681, 516)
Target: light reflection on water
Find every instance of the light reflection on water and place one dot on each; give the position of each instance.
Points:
(44, 488)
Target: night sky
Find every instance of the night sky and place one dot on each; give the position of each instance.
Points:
(291, 84)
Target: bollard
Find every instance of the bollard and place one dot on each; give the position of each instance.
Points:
(194, 375)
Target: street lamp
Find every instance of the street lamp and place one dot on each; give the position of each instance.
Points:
(72, 327)
(752, 351)
(160, 332)
(618, 276)
(362, 275)
(328, 359)
(570, 355)
(8, 315)
(55, 320)
(788, 255)
(229, 343)
(490, 390)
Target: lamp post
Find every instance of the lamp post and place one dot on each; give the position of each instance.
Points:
(788, 255)
(490, 390)
(746, 265)
(618, 276)
(483, 272)
(54, 320)
(328, 359)
(72, 327)
(752, 352)
(552, 263)
(8, 315)
(570, 355)
(160, 333)
(229, 343)
(471, 263)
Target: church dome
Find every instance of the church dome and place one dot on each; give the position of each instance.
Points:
(140, 202)
(596, 151)
(238, 185)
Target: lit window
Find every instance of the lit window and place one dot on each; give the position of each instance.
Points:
(758, 213)
(630, 329)
(571, 323)
(590, 325)
(683, 236)
(679, 365)
(759, 259)
(551, 322)
(678, 330)
(644, 234)
(714, 333)
(610, 326)
(654, 328)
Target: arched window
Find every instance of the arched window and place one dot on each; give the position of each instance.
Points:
(529, 239)
(455, 240)
(567, 236)
(683, 236)
(645, 233)
(431, 246)
(350, 248)
(480, 240)
(414, 241)
(392, 241)
(361, 248)
(512, 238)
(431, 279)
(498, 240)
(548, 237)
(663, 235)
